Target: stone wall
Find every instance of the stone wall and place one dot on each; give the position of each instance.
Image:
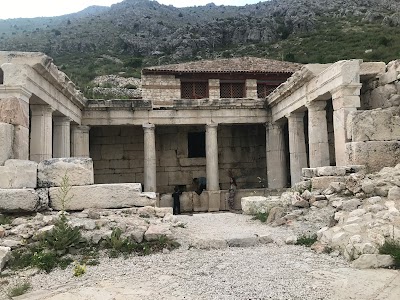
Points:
(161, 89)
(117, 153)
(384, 90)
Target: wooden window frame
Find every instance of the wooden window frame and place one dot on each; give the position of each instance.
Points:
(193, 85)
(230, 85)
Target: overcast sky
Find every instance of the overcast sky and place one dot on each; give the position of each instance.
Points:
(42, 8)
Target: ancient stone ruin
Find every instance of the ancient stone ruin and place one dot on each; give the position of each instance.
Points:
(319, 128)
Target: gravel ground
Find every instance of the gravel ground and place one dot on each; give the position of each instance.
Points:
(261, 272)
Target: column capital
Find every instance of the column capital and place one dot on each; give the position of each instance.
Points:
(212, 125)
(148, 126)
(83, 128)
(61, 120)
(15, 91)
(295, 115)
(317, 105)
(346, 90)
(41, 109)
(274, 125)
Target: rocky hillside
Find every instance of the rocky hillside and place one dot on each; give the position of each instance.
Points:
(296, 30)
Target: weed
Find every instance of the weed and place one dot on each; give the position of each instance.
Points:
(62, 237)
(64, 190)
(262, 216)
(4, 219)
(181, 225)
(306, 240)
(79, 269)
(392, 248)
(19, 289)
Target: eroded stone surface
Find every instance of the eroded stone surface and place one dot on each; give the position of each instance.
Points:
(18, 200)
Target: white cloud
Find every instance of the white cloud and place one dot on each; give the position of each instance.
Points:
(42, 8)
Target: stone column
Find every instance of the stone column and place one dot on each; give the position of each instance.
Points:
(150, 173)
(80, 141)
(344, 100)
(61, 137)
(318, 134)
(41, 132)
(212, 169)
(276, 158)
(251, 88)
(213, 89)
(297, 146)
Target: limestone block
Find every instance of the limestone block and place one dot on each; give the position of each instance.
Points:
(200, 202)
(101, 196)
(18, 200)
(374, 155)
(331, 171)
(213, 200)
(166, 200)
(155, 231)
(322, 183)
(14, 111)
(21, 142)
(379, 96)
(6, 142)
(112, 151)
(372, 261)
(209, 244)
(389, 77)
(394, 194)
(78, 170)
(18, 174)
(376, 125)
(254, 204)
(308, 172)
(187, 202)
(243, 242)
(5, 255)
(350, 205)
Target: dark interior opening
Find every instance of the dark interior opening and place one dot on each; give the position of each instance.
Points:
(1, 76)
(196, 144)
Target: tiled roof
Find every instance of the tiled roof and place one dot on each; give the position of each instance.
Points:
(229, 65)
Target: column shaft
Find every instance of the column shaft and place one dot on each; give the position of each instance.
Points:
(318, 134)
(62, 137)
(212, 169)
(150, 172)
(41, 133)
(297, 146)
(80, 141)
(276, 158)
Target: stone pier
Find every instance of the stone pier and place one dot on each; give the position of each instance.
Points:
(318, 134)
(41, 132)
(80, 141)
(276, 158)
(61, 137)
(297, 146)
(212, 157)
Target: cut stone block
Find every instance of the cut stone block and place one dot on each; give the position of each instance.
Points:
(21, 142)
(374, 155)
(6, 142)
(14, 111)
(213, 200)
(200, 202)
(309, 172)
(166, 200)
(187, 202)
(5, 255)
(322, 183)
(18, 174)
(18, 200)
(101, 196)
(372, 261)
(78, 170)
(331, 171)
(254, 204)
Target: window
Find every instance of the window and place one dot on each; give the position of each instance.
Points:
(232, 89)
(194, 90)
(264, 89)
(196, 144)
(1, 76)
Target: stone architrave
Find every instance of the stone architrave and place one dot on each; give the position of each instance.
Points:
(212, 170)
(41, 133)
(80, 141)
(318, 134)
(297, 146)
(62, 137)
(344, 100)
(150, 171)
(78, 170)
(101, 196)
(276, 158)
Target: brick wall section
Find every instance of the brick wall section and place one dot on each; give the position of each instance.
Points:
(162, 89)
(117, 153)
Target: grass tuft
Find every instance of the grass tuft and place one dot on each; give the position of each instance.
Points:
(261, 216)
(19, 289)
(306, 240)
(392, 248)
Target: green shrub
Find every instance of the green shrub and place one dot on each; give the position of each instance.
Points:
(392, 248)
(262, 216)
(4, 219)
(306, 240)
(19, 289)
(79, 269)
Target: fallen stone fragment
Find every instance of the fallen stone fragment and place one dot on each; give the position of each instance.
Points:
(5, 255)
(372, 261)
